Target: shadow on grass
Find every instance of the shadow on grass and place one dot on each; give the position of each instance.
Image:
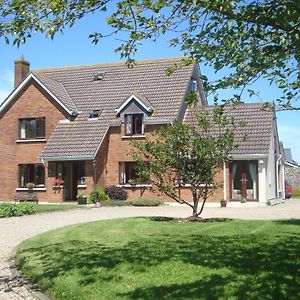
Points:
(256, 267)
(288, 222)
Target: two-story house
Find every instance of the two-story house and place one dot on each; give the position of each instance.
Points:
(76, 124)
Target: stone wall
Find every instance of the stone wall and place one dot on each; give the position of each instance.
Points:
(292, 175)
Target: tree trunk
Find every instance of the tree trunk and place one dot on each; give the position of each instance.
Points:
(195, 201)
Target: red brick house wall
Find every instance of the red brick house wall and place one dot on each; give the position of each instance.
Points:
(31, 102)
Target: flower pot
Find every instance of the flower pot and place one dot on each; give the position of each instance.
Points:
(223, 203)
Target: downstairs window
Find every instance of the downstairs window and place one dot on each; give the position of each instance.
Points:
(129, 173)
(34, 173)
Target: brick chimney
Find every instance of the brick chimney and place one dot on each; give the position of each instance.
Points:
(22, 68)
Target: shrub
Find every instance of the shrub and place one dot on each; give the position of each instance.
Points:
(146, 202)
(98, 195)
(112, 202)
(81, 199)
(116, 193)
(12, 210)
(296, 192)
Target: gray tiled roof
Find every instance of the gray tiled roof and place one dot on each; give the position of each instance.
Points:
(255, 136)
(289, 157)
(59, 91)
(77, 89)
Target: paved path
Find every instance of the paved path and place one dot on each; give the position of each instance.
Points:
(14, 230)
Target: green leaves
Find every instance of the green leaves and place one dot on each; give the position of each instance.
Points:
(246, 40)
(189, 154)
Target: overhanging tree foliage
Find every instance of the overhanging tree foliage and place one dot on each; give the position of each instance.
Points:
(251, 39)
(187, 156)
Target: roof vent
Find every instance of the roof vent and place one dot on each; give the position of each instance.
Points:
(95, 113)
(99, 76)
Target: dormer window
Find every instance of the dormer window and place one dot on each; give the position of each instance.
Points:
(95, 114)
(134, 124)
(194, 85)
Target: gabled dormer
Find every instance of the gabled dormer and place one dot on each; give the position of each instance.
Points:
(133, 112)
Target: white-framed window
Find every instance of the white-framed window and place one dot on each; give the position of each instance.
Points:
(34, 173)
(32, 128)
(129, 173)
(134, 124)
(194, 85)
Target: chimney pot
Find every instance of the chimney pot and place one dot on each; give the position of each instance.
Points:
(22, 68)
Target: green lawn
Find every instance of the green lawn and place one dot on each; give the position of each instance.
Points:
(141, 259)
(53, 207)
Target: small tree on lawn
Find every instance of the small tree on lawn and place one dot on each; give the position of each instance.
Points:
(189, 153)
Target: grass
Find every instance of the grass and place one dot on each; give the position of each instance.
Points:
(53, 207)
(296, 192)
(141, 259)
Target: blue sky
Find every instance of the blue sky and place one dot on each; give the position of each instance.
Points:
(75, 48)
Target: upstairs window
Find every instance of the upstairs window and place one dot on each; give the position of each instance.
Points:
(194, 85)
(134, 124)
(32, 128)
(34, 173)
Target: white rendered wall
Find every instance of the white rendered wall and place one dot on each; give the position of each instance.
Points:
(262, 181)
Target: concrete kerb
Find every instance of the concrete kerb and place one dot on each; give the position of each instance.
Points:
(17, 276)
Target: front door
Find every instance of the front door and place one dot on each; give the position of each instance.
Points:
(70, 180)
(244, 180)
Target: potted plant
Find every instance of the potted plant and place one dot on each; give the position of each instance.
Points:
(30, 186)
(243, 200)
(223, 203)
(58, 183)
(81, 199)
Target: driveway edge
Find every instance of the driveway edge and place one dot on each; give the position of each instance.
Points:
(22, 281)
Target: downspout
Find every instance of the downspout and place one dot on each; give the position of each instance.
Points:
(277, 175)
(225, 181)
(283, 181)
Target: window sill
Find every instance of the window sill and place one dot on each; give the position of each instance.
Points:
(130, 186)
(38, 189)
(31, 141)
(183, 185)
(140, 136)
(82, 186)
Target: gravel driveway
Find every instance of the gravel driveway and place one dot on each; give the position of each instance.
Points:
(14, 230)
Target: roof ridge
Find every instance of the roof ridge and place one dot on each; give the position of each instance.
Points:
(150, 60)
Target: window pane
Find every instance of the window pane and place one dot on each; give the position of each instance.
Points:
(138, 124)
(81, 172)
(30, 173)
(31, 128)
(131, 172)
(122, 174)
(128, 124)
(59, 170)
(51, 169)
(22, 129)
(22, 175)
(39, 174)
(40, 127)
